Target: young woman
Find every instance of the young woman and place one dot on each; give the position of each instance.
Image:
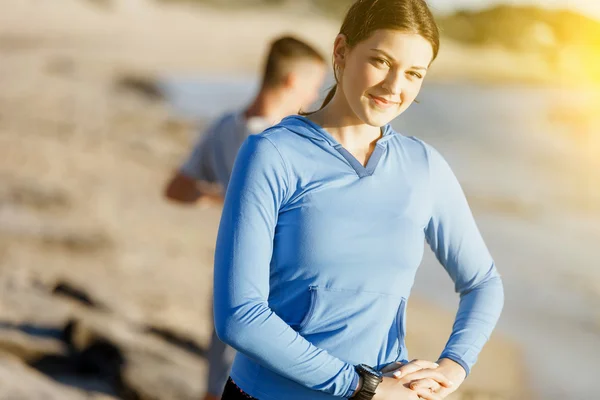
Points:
(323, 230)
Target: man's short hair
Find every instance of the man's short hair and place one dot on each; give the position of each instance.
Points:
(284, 52)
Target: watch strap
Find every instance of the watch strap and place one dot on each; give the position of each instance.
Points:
(371, 379)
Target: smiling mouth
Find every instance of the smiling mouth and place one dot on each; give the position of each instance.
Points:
(381, 102)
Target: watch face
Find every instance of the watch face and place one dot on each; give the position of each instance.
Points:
(371, 371)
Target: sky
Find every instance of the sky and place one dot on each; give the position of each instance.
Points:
(589, 7)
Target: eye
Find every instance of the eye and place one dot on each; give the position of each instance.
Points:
(415, 74)
(380, 62)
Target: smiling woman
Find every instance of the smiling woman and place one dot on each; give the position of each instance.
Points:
(323, 230)
(388, 70)
(416, 24)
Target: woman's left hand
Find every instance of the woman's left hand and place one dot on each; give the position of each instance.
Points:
(398, 369)
(448, 368)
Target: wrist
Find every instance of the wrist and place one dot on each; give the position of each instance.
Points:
(359, 386)
(453, 370)
(369, 380)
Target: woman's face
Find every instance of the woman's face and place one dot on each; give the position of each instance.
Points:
(382, 75)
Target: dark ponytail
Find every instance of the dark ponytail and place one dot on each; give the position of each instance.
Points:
(329, 96)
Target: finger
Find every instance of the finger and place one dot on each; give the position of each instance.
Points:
(445, 392)
(425, 384)
(414, 366)
(391, 367)
(427, 394)
(430, 374)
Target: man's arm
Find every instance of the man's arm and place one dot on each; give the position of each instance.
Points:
(195, 181)
(183, 189)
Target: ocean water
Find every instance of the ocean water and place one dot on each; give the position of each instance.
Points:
(533, 184)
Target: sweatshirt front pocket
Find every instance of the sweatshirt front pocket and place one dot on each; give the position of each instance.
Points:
(311, 307)
(355, 326)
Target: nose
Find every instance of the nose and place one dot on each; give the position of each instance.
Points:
(393, 82)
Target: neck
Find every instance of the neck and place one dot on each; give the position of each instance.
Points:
(340, 121)
(268, 104)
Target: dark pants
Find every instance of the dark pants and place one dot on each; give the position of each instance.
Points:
(233, 392)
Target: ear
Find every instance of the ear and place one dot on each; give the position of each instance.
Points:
(340, 50)
(290, 80)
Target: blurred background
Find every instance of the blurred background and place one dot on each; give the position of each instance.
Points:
(105, 286)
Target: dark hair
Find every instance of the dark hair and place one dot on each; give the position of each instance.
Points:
(284, 52)
(366, 16)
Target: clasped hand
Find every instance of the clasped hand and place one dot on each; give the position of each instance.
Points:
(419, 379)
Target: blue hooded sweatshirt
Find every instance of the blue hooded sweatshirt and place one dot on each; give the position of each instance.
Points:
(316, 256)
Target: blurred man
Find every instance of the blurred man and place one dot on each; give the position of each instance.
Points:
(294, 72)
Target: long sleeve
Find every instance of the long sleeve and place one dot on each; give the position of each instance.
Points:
(258, 188)
(457, 243)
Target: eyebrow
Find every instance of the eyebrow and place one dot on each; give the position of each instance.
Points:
(393, 59)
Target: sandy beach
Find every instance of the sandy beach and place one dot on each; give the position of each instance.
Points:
(84, 155)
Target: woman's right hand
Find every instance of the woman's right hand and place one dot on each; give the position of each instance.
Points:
(398, 377)
(398, 389)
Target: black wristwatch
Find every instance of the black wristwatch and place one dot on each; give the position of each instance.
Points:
(371, 379)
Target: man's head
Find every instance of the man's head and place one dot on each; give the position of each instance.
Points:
(296, 69)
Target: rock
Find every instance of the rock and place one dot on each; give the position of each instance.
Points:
(77, 294)
(143, 86)
(178, 339)
(137, 364)
(18, 381)
(15, 340)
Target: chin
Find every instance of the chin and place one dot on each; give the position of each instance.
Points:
(378, 119)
